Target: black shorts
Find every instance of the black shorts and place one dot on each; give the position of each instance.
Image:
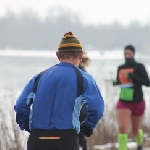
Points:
(53, 140)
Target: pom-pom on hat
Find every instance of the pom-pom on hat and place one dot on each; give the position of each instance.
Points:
(69, 43)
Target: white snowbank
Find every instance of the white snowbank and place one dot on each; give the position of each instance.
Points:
(94, 54)
(110, 145)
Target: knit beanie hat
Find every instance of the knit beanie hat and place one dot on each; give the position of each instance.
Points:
(130, 47)
(69, 43)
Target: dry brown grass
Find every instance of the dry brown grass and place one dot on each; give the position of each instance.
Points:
(107, 129)
(105, 132)
(9, 131)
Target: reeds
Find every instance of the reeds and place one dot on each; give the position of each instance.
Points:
(11, 138)
(10, 135)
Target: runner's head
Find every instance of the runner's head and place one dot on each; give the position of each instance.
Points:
(85, 60)
(69, 47)
(129, 51)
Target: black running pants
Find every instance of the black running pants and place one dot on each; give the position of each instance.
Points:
(53, 140)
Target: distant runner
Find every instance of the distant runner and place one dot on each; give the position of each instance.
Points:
(83, 113)
(131, 105)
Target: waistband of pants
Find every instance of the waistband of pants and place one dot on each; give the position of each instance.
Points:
(52, 131)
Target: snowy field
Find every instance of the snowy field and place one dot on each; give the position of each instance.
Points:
(17, 67)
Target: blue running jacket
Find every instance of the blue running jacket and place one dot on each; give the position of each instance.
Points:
(55, 104)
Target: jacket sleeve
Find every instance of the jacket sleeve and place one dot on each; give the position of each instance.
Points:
(118, 75)
(21, 107)
(95, 103)
(140, 76)
(116, 82)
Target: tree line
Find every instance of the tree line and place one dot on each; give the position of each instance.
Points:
(28, 32)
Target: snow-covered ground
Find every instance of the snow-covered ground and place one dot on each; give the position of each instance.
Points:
(10, 71)
(94, 54)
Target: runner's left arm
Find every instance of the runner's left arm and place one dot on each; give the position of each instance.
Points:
(95, 103)
(140, 76)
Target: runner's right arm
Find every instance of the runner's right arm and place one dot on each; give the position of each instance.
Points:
(116, 82)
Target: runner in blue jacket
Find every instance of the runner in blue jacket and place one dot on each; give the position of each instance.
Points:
(53, 120)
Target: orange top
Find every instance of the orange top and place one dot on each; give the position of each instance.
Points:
(122, 75)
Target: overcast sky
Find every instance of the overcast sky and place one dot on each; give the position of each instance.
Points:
(90, 11)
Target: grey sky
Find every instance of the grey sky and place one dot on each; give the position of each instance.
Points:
(90, 11)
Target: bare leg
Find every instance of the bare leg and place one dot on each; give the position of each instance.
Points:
(123, 119)
(137, 132)
(136, 124)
